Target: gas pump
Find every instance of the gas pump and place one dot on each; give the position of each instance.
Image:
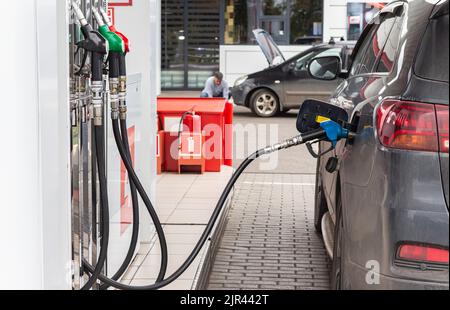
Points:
(317, 121)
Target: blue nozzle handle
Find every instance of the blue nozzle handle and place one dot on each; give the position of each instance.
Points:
(334, 131)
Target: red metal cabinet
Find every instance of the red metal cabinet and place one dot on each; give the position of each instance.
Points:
(217, 120)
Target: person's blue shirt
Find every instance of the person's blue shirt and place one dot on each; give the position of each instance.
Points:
(212, 90)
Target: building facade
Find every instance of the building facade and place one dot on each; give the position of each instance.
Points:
(198, 36)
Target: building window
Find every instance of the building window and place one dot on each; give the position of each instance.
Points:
(274, 7)
(359, 14)
(190, 39)
(288, 21)
(306, 21)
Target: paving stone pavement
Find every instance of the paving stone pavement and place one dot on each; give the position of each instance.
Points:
(269, 241)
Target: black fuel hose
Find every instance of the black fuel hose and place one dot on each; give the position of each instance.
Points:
(122, 65)
(160, 232)
(319, 134)
(135, 233)
(114, 65)
(119, 67)
(135, 204)
(96, 66)
(140, 188)
(104, 242)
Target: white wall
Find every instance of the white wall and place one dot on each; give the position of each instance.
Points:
(335, 18)
(141, 23)
(35, 241)
(240, 60)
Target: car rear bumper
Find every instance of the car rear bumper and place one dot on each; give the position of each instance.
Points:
(359, 276)
(393, 197)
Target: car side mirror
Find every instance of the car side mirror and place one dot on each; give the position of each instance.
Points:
(325, 68)
(312, 111)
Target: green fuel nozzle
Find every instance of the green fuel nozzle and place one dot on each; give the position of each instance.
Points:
(116, 44)
(116, 50)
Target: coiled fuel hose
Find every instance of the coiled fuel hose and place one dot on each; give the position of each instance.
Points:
(101, 167)
(134, 195)
(121, 137)
(301, 139)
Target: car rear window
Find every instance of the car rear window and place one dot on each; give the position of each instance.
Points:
(432, 61)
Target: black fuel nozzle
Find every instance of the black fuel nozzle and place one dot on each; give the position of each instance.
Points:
(97, 45)
(93, 42)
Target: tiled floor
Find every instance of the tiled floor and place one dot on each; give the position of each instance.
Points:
(185, 203)
(269, 241)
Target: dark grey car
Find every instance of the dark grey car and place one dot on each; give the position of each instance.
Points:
(382, 198)
(285, 84)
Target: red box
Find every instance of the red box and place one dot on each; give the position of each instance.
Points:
(217, 121)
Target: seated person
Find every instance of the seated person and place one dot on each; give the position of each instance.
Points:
(216, 87)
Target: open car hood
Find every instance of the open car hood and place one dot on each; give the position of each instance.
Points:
(269, 47)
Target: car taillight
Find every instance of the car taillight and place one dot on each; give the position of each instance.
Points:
(424, 254)
(413, 126)
(443, 124)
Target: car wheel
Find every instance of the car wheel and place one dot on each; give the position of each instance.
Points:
(336, 270)
(320, 203)
(264, 103)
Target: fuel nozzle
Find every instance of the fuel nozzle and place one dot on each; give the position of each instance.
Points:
(116, 50)
(112, 28)
(123, 110)
(334, 131)
(116, 44)
(93, 40)
(98, 46)
(321, 121)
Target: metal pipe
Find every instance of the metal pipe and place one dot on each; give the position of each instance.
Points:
(79, 14)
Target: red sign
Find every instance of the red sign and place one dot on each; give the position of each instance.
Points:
(121, 3)
(112, 15)
(126, 207)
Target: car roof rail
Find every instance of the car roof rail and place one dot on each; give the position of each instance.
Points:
(441, 9)
(333, 41)
(394, 8)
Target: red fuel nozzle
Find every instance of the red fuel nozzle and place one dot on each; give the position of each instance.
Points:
(112, 28)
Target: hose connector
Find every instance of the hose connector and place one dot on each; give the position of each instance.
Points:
(97, 103)
(114, 97)
(122, 88)
(123, 97)
(282, 146)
